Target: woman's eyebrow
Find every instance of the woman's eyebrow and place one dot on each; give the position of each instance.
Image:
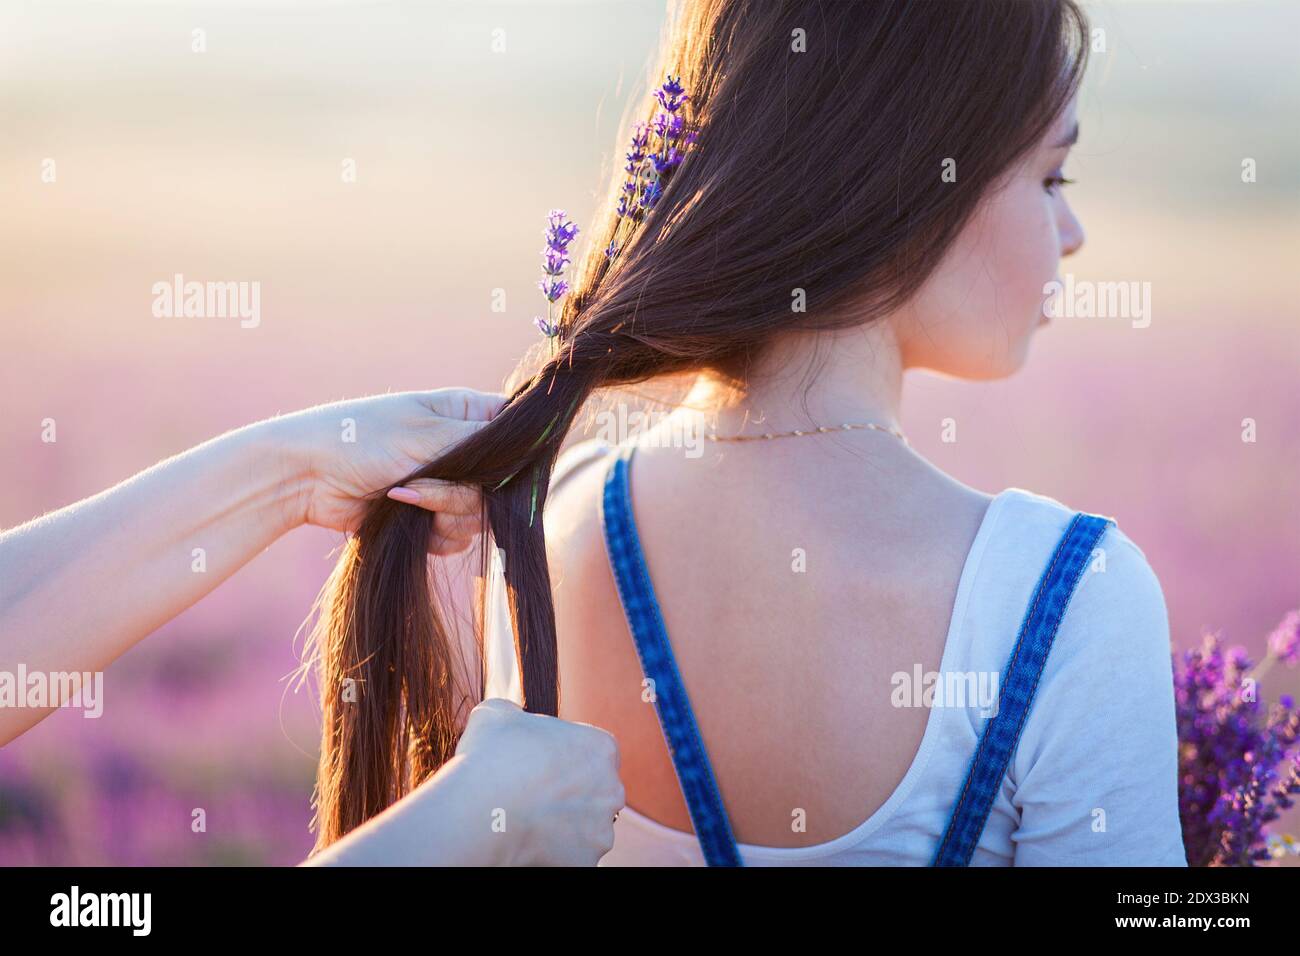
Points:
(1069, 140)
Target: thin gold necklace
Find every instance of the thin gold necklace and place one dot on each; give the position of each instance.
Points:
(819, 430)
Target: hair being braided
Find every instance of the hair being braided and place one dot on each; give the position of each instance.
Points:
(823, 131)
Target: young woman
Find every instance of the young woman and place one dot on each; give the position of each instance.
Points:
(870, 188)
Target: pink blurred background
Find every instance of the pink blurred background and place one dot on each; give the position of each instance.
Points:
(226, 165)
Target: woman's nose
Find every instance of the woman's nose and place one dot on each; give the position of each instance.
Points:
(1071, 234)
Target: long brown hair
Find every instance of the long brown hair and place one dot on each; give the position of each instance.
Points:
(823, 131)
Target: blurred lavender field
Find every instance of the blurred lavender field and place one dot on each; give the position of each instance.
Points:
(226, 165)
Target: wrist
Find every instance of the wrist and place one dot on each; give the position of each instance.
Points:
(463, 799)
(438, 824)
(276, 452)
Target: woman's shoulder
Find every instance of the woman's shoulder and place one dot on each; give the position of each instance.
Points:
(1101, 735)
(575, 542)
(1118, 577)
(1030, 511)
(577, 456)
(1114, 636)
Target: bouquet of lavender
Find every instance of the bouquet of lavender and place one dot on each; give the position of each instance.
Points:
(1238, 763)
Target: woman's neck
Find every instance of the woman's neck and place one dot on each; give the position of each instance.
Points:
(810, 379)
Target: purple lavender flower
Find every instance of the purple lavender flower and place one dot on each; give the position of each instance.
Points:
(640, 137)
(672, 94)
(555, 262)
(559, 233)
(650, 195)
(1284, 642)
(552, 288)
(1231, 751)
(669, 127)
(649, 168)
(663, 164)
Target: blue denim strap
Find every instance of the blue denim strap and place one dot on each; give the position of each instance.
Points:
(644, 620)
(1042, 619)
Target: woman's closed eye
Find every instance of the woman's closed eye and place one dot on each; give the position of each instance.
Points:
(1055, 181)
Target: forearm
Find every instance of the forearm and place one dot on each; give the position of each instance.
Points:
(445, 822)
(116, 566)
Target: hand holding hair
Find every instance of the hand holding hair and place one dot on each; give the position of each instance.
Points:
(81, 585)
(522, 790)
(391, 436)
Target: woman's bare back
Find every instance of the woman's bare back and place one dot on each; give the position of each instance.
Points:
(795, 578)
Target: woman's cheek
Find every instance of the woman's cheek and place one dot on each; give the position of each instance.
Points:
(1028, 255)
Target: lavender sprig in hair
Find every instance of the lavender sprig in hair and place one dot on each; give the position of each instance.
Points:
(648, 172)
(1238, 763)
(559, 233)
(649, 167)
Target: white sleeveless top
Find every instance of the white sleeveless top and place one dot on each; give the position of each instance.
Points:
(1094, 779)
